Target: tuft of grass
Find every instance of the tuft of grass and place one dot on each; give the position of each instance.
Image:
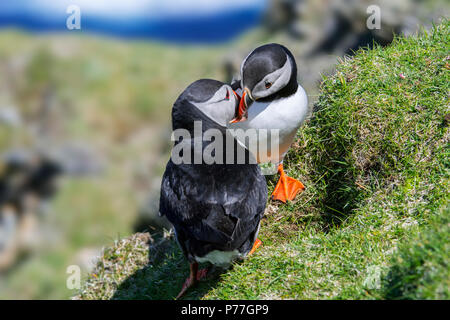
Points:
(374, 159)
(117, 262)
(420, 270)
(140, 267)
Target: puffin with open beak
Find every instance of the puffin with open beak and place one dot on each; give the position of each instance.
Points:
(214, 206)
(272, 99)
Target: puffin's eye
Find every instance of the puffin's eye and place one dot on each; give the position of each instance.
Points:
(227, 97)
(268, 85)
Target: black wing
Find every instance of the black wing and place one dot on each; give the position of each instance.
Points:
(215, 207)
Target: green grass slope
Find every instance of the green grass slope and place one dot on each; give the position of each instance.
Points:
(373, 221)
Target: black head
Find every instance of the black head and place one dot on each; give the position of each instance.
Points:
(269, 72)
(205, 100)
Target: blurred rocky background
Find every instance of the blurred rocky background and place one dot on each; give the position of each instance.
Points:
(85, 119)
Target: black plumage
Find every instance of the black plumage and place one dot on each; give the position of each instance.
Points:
(212, 206)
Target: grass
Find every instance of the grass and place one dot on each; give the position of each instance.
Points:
(373, 221)
(420, 270)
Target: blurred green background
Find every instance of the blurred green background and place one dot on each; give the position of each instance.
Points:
(99, 107)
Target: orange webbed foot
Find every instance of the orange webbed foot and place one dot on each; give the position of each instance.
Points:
(287, 188)
(201, 274)
(256, 245)
(194, 277)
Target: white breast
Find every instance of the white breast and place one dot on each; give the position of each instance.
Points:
(284, 115)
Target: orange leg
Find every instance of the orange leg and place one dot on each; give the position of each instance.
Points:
(194, 276)
(256, 245)
(287, 188)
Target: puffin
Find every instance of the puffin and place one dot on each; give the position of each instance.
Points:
(271, 99)
(215, 206)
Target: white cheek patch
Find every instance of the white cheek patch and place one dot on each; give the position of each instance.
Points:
(220, 110)
(279, 79)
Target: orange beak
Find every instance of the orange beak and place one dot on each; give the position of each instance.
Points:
(242, 109)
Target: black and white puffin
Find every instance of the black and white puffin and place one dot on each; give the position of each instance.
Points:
(272, 99)
(215, 208)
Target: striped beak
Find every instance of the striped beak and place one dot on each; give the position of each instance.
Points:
(243, 106)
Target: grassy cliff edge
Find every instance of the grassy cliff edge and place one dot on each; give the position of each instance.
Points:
(373, 221)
